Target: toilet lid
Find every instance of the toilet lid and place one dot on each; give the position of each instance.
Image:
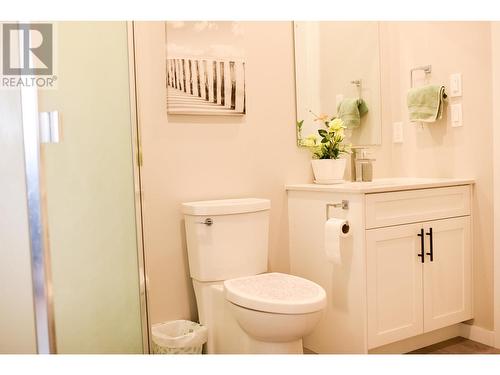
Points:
(276, 293)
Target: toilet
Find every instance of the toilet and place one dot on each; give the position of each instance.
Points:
(246, 309)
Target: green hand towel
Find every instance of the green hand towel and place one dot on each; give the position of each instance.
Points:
(350, 111)
(426, 103)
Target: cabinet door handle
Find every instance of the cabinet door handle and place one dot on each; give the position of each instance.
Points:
(422, 251)
(431, 252)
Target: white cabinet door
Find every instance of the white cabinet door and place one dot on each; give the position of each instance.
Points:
(394, 284)
(447, 278)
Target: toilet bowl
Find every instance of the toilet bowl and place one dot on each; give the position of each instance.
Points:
(246, 309)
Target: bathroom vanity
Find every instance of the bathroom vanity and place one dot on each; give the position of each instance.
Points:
(406, 270)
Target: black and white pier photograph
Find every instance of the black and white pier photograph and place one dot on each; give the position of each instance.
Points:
(205, 68)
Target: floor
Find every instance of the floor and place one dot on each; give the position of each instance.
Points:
(457, 345)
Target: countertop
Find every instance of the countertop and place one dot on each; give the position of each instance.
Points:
(382, 185)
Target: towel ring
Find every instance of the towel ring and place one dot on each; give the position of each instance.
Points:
(426, 68)
(357, 82)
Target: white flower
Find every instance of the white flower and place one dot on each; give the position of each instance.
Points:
(336, 125)
(310, 141)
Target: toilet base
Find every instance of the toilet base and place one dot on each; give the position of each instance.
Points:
(261, 347)
(225, 335)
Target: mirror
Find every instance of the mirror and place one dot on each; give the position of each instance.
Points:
(337, 63)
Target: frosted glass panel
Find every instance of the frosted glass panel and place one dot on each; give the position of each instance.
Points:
(90, 193)
(17, 319)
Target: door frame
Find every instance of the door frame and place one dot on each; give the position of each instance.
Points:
(138, 191)
(495, 57)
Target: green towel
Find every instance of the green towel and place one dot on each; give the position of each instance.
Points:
(426, 103)
(350, 111)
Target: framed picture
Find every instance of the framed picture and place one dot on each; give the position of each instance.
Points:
(205, 68)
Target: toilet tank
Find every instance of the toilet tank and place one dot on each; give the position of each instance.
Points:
(234, 244)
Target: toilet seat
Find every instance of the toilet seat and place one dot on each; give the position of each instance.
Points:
(276, 293)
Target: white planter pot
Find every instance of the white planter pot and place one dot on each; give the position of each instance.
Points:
(328, 170)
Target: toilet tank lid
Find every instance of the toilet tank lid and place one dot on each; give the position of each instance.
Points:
(226, 206)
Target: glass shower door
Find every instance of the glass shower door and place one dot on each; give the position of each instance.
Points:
(91, 199)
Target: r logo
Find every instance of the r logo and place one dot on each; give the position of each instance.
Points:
(35, 43)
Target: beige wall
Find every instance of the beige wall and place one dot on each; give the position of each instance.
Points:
(193, 158)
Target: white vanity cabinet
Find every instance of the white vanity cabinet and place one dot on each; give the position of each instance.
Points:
(408, 293)
(418, 275)
(406, 271)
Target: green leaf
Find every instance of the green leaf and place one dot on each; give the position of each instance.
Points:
(322, 132)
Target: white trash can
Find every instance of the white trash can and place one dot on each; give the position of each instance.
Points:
(178, 337)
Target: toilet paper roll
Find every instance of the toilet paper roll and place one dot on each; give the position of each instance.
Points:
(335, 230)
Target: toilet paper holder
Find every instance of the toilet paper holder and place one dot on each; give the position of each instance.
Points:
(344, 205)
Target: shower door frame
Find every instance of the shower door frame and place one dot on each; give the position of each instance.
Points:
(137, 162)
(43, 305)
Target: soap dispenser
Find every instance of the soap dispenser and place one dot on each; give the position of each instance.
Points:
(366, 166)
(361, 165)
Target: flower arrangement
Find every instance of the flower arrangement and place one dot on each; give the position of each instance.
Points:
(332, 137)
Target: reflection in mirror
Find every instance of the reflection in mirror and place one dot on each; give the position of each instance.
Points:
(337, 67)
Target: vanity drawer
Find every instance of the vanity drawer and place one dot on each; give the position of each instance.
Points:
(403, 207)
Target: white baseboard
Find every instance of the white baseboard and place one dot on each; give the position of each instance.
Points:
(476, 333)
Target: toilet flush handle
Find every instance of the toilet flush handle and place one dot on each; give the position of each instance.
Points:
(208, 221)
